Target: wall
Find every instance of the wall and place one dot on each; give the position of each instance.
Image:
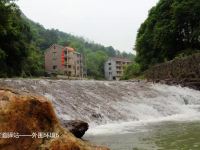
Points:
(184, 71)
(113, 69)
(49, 62)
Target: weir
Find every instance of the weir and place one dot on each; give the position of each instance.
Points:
(104, 102)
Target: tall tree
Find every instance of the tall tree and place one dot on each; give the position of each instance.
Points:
(172, 28)
(15, 40)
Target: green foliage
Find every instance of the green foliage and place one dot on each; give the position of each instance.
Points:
(15, 40)
(17, 51)
(172, 28)
(95, 64)
(133, 70)
(95, 54)
(23, 42)
(34, 63)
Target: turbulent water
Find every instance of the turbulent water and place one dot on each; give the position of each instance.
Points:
(111, 107)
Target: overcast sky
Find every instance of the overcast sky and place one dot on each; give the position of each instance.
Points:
(108, 22)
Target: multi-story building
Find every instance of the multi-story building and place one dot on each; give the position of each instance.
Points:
(64, 60)
(114, 67)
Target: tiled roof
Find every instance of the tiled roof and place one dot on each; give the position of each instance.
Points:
(70, 49)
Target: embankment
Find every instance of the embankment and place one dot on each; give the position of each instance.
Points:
(184, 71)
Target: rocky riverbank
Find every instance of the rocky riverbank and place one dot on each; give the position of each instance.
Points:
(28, 122)
(184, 71)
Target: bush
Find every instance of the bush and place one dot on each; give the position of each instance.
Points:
(133, 70)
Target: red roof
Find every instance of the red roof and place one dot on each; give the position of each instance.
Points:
(70, 49)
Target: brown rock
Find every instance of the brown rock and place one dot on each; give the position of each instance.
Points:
(25, 114)
(76, 127)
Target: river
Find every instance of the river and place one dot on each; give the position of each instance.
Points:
(125, 115)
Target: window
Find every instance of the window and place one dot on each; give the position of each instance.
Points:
(54, 67)
(54, 56)
(119, 68)
(118, 63)
(110, 68)
(109, 63)
(119, 72)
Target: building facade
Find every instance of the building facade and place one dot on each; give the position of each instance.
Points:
(114, 68)
(64, 61)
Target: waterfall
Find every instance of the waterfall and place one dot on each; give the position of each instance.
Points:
(104, 102)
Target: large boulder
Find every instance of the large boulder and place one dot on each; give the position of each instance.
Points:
(28, 114)
(76, 127)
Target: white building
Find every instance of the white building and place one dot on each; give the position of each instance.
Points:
(114, 68)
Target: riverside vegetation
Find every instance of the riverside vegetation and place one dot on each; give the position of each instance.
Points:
(23, 42)
(172, 30)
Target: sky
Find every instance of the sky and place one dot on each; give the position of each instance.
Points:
(107, 22)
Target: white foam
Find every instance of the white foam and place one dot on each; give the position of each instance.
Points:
(138, 126)
(120, 105)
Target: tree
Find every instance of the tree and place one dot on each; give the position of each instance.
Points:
(131, 71)
(23, 42)
(95, 64)
(15, 40)
(172, 27)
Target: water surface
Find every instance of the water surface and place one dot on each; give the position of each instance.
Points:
(168, 135)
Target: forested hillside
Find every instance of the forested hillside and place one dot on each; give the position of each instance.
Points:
(23, 42)
(95, 54)
(18, 54)
(171, 30)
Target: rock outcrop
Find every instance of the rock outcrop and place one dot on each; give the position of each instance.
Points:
(28, 122)
(184, 71)
(76, 127)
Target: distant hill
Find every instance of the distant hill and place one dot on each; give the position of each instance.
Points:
(23, 42)
(95, 54)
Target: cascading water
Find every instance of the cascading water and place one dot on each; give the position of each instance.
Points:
(103, 102)
(120, 113)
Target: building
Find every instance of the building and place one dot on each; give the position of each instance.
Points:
(64, 61)
(114, 67)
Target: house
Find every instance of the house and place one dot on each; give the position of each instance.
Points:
(114, 67)
(64, 61)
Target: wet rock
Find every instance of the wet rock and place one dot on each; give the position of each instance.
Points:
(97, 116)
(76, 127)
(185, 101)
(28, 114)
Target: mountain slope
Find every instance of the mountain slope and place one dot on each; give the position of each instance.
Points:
(95, 54)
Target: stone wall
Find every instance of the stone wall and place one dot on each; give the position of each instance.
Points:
(184, 71)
